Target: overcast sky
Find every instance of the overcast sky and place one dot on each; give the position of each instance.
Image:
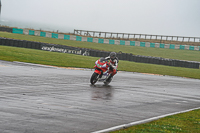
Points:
(158, 17)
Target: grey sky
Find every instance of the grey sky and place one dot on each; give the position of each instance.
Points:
(161, 17)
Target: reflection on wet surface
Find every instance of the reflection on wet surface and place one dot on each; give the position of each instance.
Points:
(99, 91)
(62, 100)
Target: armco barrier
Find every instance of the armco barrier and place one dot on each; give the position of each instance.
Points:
(96, 53)
(31, 32)
(17, 31)
(99, 40)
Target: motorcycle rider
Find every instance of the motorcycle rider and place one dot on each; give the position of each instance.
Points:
(113, 64)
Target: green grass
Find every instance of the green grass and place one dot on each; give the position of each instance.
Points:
(45, 57)
(71, 60)
(188, 122)
(156, 52)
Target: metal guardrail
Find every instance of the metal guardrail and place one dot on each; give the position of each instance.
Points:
(129, 36)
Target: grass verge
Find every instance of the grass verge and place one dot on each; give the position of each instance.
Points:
(71, 60)
(188, 122)
(155, 52)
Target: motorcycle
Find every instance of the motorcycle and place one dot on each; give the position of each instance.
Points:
(102, 72)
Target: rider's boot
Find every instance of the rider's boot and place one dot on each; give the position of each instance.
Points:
(111, 76)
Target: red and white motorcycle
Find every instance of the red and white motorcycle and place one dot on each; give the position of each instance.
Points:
(102, 72)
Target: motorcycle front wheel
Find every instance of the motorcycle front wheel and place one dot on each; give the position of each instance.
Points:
(94, 78)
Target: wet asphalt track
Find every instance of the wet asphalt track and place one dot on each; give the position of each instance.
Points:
(41, 99)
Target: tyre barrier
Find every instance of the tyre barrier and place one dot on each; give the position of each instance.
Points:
(6, 29)
(64, 49)
(148, 59)
(20, 43)
(97, 53)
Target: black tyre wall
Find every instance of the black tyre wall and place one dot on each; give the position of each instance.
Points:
(97, 53)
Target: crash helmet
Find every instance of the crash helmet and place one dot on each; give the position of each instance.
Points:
(112, 55)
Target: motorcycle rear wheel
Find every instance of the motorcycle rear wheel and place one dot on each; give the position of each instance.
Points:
(94, 78)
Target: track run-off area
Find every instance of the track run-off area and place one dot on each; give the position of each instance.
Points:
(46, 99)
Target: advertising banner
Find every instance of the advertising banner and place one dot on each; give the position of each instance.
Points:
(64, 49)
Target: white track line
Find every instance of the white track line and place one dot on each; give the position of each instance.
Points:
(49, 66)
(32, 64)
(141, 122)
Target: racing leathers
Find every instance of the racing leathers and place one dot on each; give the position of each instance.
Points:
(113, 65)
